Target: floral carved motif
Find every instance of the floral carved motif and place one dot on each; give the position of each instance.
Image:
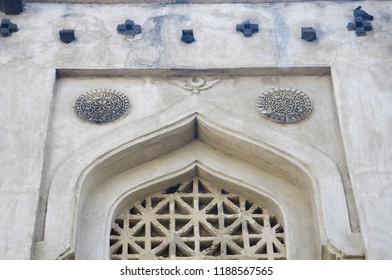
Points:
(284, 105)
(101, 105)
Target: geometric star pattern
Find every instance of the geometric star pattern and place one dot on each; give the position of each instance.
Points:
(194, 220)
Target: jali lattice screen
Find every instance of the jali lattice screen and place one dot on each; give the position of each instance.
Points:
(194, 220)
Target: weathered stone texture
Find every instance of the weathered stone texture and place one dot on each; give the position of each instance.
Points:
(40, 133)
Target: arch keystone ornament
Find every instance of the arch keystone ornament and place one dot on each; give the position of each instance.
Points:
(284, 105)
(102, 105)
(197, 84)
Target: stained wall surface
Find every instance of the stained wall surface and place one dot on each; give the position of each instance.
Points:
(350, 122)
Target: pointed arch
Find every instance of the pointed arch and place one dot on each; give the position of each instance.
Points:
(311, 173)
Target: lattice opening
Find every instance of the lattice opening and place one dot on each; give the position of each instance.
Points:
(194, 220)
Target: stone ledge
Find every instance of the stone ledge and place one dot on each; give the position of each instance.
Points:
(169, 1)
(307, 70)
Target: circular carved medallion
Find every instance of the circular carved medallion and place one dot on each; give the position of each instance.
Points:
(284, 105)
(101, 105)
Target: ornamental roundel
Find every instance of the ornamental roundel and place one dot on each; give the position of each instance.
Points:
(284, 105)
(101, 105)
(195, 220)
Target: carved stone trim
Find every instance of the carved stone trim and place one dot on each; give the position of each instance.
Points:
(101, 105)
(284, 105)
(195, 220)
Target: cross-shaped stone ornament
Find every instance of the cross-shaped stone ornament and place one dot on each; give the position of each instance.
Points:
(129, 28)
(7, 28)
(361, 25)
(247, 28)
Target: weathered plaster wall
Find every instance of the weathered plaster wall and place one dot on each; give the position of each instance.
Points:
(360, 74)
(24, 116)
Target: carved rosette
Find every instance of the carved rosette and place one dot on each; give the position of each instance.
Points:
(284, 105)
(101, 105)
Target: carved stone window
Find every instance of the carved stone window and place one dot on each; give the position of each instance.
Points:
(195, 220)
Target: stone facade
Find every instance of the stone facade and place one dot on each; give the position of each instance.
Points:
(267, 146)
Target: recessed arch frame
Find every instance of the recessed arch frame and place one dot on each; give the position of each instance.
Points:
(196, 160)
(272, 152)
